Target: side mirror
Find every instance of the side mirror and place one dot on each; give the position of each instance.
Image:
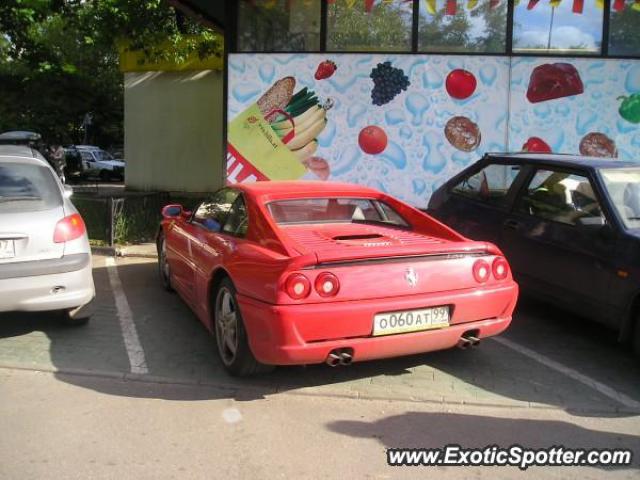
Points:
(68, 191)
(172, 211)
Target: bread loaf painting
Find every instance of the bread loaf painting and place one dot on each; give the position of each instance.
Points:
(274, 138)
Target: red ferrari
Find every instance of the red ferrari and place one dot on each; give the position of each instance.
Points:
(307, 272)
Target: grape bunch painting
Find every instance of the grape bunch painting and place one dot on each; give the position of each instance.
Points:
(388, 82)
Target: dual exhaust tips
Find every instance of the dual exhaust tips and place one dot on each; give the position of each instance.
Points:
(468, 340)
(340, 356)
(344, 356)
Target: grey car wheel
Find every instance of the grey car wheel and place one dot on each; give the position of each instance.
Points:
(231, 336)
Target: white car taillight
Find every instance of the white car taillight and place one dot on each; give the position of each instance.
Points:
(69, 228)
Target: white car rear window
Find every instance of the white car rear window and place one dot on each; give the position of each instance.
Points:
(27, 188)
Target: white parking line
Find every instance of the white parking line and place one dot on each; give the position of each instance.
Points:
(137, 361)
(571, 373)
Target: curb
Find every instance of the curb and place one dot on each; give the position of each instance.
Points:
(121, 252)
(107, 251)
(243, 390)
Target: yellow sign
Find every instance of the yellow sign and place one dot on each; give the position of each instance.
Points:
(137, 61)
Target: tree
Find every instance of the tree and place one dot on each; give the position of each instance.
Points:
(458, 32)
(387, 26)
(624, 36)
(59, 60)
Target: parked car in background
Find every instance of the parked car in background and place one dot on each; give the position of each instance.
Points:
(99, 163)
(569, 226)
(45, 258)
(20, 137)
(311, 272)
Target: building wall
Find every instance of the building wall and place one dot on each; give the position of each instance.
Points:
(173, 130)
(501, 113)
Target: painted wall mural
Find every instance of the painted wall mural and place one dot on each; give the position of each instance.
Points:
(577, 105)
(406, 123)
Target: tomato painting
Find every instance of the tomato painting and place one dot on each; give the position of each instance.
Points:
(372, 140)
(461, 84)
(536, 144)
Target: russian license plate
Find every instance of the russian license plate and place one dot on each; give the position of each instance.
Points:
(7, 249)
(410, 321)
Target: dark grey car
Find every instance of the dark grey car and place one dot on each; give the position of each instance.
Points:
(569, 226)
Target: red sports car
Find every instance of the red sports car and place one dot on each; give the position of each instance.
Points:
(308, 272)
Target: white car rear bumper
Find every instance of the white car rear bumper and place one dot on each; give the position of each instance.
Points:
(47, 289)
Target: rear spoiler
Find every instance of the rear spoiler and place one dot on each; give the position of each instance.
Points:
(401, 254)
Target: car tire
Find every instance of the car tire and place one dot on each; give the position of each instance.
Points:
(164, 268)
(105, 176)
(231, 337)
(635, 336)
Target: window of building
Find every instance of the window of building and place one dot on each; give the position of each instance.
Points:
(381, 25)
(470, 26)
(279, 25)
(489, 185)
(564, 27)
(561, 197)
(624, 28)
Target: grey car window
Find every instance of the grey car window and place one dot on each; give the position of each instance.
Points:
(27, 188)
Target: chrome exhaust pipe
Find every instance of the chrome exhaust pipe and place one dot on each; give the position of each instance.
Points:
(475, 341)
(345, 358)
(333, 360)
(464, 343)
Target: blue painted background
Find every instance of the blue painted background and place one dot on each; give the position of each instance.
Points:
(418, 157)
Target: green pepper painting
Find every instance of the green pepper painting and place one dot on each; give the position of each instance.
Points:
(630, 108)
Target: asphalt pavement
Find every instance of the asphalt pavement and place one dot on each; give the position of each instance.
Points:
(146, 366)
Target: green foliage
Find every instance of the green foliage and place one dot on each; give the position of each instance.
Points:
(59, 60)
(624, 32)
(454, 32)
(387, 27)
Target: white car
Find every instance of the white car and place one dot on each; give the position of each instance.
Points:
(100, 163)
(45, 258)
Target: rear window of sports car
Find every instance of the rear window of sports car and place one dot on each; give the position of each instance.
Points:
(334, 210)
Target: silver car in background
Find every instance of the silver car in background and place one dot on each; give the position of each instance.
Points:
(45, 258)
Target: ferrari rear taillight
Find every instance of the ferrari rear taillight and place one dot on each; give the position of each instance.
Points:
(297, 286)
(69, 228)
(500, 268)
(481, 271)
(327, 284)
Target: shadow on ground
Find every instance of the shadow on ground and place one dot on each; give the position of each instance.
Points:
(434, 430)
(178, 349)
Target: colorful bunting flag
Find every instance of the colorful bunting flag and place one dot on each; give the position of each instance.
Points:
(452, 7)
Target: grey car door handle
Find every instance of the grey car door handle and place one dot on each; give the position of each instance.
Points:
(511, 224)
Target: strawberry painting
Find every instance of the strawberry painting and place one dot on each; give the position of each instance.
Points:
(325, 70)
